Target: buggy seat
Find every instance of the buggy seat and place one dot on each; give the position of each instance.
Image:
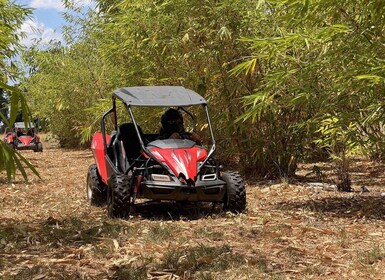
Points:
(126, 146)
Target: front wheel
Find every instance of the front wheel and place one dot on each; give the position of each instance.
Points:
(118, 197)
(11, 145)
(39, 147)
(235, 197)
(96, 190)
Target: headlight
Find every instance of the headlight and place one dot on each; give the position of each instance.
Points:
(161, 177)
(209, 177)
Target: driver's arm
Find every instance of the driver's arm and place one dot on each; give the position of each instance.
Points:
(196, 138)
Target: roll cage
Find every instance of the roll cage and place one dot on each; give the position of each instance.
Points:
(156, 96)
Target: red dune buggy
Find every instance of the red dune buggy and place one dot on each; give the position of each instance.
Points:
(22, 138)
(131, 164)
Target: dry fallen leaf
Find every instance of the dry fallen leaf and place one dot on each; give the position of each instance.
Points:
(291, 230)
(40, 276)
(116, 244)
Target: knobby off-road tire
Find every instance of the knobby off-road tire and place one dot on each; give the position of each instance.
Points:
(39, 147)
(235, 197)
(118, 197)
(96, 190)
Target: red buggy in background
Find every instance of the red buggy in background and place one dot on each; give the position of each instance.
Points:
(22, 138)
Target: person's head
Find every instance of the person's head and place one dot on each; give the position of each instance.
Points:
(172, 121)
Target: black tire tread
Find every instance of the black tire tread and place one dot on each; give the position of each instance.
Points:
(118, 205)
(235, 197)
(38, 148)
(98, 188)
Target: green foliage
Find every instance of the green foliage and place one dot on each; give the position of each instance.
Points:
(11, 16)
(4, 104)
(155, 44)
(189, 43)
(374, 255)
(320, 76)
(66, 82)
(12, 160)
(284, 78)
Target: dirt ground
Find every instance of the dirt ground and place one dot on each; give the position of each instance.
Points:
(295, 230)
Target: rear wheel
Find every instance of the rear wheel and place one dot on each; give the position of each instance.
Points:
(118, 197)
(235, 197)
(96, 190)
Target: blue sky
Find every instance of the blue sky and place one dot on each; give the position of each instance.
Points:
(47, 20)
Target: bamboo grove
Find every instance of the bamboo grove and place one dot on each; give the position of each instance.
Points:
(288, 81)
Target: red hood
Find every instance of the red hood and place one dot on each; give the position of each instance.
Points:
(26, 140)
(182, 161)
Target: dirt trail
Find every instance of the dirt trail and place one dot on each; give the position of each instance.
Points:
(290, 231)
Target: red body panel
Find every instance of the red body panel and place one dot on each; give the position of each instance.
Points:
(182, 160)
(98, 151)
(9, 138)
(26, 140)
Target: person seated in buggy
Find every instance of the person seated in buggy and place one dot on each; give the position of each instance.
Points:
(173, 128)
(19, 132)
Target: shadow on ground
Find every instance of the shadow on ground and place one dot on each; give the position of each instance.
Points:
(168, 211)
(369, 207)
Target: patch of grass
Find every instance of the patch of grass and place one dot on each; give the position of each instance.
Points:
(253, 233)
(262, 265)
(312, 270)
(260, 262)
(46, 271)
(74, 223)
(137, 273)
(70, 230)
(14, 237)
(204, 232)
(5, 234)
(283, 229)
(160, 231)
(13, 232)
(343, 238)
(171, 259)
(285, 181)
(137, 269)
(202, 259)
(204, 275)
(374, 255)
(102, 250)
(113, 229)
(279, 276)
(242, 272)
(293, 253)
(26, 273)
(2, 263)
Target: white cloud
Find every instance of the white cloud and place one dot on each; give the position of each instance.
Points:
(47, 4)
(58, 5)
(85, 2)
(38, 31)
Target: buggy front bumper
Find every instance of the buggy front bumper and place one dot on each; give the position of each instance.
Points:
(208, 191)
(30, 146)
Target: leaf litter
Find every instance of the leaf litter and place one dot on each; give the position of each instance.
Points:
(290, 230)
